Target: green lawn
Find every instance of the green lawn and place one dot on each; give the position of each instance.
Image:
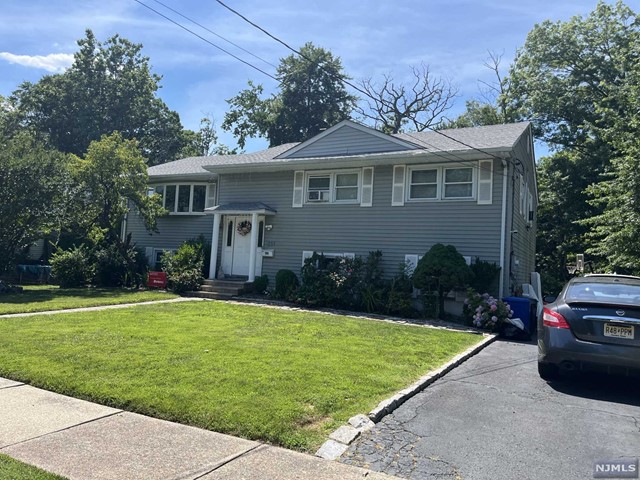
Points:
(39, 298)
(284, 377)
(11, 469)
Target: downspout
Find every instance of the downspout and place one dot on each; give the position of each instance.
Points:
(503, 231)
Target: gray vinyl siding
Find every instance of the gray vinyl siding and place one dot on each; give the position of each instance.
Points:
(347, 141)
(173, 230)
(337, 228)
(522, 246)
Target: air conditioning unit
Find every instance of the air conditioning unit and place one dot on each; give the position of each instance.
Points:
(318, 196)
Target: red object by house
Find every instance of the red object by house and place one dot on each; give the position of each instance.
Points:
(157, 280)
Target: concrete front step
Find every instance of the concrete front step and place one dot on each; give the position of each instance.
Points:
(210, 295)
(221, 289)
(225, 283)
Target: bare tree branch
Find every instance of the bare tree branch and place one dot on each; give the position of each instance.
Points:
(393, 106)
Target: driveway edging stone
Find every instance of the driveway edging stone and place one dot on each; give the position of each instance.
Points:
(332, 449)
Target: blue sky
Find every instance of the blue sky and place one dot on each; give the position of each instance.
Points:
(371, 37)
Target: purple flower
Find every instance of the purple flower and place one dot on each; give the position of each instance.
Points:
(494, 307)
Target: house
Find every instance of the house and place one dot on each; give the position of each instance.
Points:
(350, 190)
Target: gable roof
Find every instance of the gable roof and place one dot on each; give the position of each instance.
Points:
(491, 139)
(347, 138)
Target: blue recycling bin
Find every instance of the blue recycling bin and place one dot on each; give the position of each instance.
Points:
(521, 307)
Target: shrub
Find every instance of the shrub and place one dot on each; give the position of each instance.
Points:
(184, 268)
(286, 284)
(486, 312)
(72, 268)
(8, 288)
(331, 282)
(399, 294)
(119, 264)
(205, 247)
(260, 284)
(485, 275)
(441, 269)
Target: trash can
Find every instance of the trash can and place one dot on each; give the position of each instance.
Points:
(521, 307)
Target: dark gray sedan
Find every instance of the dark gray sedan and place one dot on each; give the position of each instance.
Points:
(594, 324)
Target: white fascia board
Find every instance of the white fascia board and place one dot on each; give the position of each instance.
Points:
(355, 161)
(205, 177)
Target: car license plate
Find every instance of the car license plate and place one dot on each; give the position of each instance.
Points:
(618, 331)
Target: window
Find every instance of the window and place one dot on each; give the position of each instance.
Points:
(438, 182)
(325, 258)
(170, 198)
(184, 195)
(423, 183)
(333, 187)
(261, 234)
(346, 187)
(199, 198)
(229, 233)
(458, 182)
(157, 257)
(319, 188)
(186, 198)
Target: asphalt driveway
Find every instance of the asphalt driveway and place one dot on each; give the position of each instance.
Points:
(494, 418)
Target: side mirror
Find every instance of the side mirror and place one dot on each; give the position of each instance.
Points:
(550, 299)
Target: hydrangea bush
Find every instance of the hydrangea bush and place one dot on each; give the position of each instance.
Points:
(486, 311)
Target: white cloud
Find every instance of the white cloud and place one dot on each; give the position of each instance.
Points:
(54, 62)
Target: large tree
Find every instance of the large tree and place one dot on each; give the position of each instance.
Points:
(109, 87)
(420, 104)
(312, 97)
(204, 141)
(493, 108)
(615, 232)
(111, 178)
(567, 78)
(34, 194)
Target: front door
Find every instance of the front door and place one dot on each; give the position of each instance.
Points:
(237, 245)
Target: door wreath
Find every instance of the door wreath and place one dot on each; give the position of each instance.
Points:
(244, 227)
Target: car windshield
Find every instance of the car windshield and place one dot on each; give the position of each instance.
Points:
(617, 293)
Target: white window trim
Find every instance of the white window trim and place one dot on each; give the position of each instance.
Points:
(416, 168)
(441, 169)
(474, 183)
(207, 196)
(332, 185)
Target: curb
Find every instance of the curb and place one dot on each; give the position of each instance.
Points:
(345, 435)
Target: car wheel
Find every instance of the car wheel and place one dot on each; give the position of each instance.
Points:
(548, 371)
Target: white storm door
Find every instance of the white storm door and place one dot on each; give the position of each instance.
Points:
(241, 248)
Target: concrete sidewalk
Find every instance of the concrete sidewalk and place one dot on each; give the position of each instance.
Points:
(83, 440)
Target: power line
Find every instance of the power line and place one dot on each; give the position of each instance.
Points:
(340, 77)
(206, 40)
(344, 80)
(460, 161)
(216, 34)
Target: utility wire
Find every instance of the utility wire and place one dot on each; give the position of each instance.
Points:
(205, 40)
(461, 160)
(355, 87)
(216, 34)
